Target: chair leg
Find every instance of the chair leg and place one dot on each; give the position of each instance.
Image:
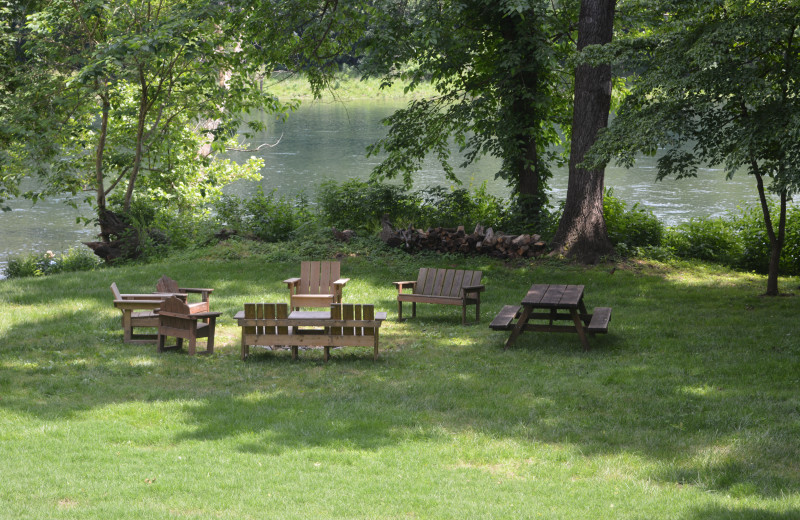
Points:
(192, 346)
(399, 311)
(326, 353)
(161, 339)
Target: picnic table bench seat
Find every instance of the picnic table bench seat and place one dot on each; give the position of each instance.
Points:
(442, 286)
(346, 325)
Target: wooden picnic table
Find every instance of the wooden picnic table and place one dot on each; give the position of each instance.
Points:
(552, 303)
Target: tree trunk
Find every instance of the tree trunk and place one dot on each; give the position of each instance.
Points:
(582, 232)
(776, 240)
(98, 165)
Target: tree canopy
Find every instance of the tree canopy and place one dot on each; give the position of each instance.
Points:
(716, 83)
(499, 70)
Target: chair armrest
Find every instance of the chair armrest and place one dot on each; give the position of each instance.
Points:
(341, 281)
(402, 285)
(137, 304)
(292, 281)
(144, 296)
(207, 315)
(194, 290)
(474, 288)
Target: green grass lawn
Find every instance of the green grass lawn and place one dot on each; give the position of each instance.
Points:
(688, 409)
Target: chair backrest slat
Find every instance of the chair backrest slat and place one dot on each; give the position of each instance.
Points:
(318, 277)
(115, 291)
(166, 284)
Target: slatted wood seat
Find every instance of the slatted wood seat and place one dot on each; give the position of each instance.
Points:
(138, 312)
(178, 320)
(504, 318)
(601, 316)
(442, 286)
(271, 324)
(166, 284)
(319, 285)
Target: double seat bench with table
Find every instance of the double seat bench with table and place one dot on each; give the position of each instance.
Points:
(551, 304)
(271, 324)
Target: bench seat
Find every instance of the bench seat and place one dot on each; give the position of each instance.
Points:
(601, 316)
(504, 318)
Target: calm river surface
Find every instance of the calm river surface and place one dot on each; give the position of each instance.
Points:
(326, 141)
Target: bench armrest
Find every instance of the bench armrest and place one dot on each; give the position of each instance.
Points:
(194, 290)
(207, 315)
(402, 285)
(341, 281)
(474, 288)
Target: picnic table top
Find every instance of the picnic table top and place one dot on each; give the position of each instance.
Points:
(554, 296)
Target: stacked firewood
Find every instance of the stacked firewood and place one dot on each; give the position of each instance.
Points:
(456, 240)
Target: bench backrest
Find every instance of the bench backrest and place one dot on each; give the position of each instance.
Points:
(352, 311)
(166, 284)
(269, 311)
(318, 277)
(445, 282)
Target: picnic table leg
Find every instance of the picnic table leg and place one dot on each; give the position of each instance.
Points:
(579, 328)
(519, 327)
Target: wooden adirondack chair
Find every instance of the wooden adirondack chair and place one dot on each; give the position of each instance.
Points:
(138, 311)
(166, 284)
(319, 285)
(178, 320)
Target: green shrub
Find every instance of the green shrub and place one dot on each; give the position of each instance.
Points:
(752, 233)
(265, 217)
(438, 206)
(710, 239)
(42, 264)
(359, 205)
(631, 228)
(526, 215)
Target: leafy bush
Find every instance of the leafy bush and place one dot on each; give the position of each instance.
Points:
(359, 205)
(711, 239)
(752, 233)
(42, 264)
(526, 215)
(438, 206)
(263, 216)
(631, 228)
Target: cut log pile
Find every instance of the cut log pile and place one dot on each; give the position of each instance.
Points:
(455, 240)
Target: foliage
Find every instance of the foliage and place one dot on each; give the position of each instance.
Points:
(748, 225)
(360, 205)
(720, 76)
(708, 239)
(35, 264)
(262, 216)
(631, 228)
(498, 69)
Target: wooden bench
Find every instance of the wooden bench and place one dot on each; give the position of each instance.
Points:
(346, 325)
(442, 286)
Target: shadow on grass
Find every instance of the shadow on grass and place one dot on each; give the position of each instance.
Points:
(692, 377)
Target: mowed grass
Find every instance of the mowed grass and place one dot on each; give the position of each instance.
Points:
(688, 409)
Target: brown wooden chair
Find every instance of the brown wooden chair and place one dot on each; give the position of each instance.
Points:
(319, 285)
(166, 284)
(138, 311)
(178, 320)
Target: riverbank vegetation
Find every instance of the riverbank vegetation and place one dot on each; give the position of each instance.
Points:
(686, 409)
(737, 241)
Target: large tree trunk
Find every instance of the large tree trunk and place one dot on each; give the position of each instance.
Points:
(582, 232)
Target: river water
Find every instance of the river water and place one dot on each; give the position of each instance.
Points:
(326, 141)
